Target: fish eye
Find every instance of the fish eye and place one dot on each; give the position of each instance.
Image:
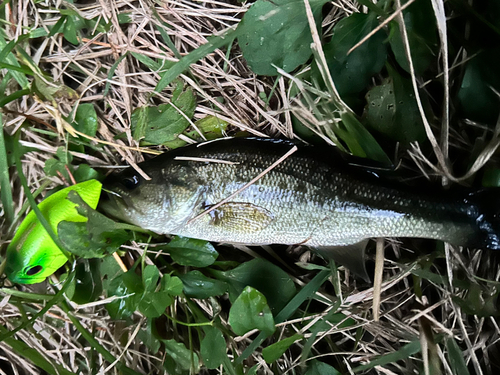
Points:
(131, 182)
(33, 270)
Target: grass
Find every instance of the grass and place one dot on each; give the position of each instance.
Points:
(436, 308)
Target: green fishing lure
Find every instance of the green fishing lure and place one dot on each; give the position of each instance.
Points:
(32, 255)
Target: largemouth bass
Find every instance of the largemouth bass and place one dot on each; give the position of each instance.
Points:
(310, 198)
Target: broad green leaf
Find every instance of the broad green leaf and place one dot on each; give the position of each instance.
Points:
(251, 311)
(86, 119)
(156, 125)
(477, 98)
(491, 178)
(58, 164)
(359, 140)
(191, 252)
(213, 348)
(197, 285)
(69, 31)
(143, 294)
(456, 357)
(421, 27)
(274, 351)
(150, 277)
(316, 367)
(128, 287)
(210, 126)
(392, 110)
(85, 173)
(95, 238)
(154, 303)
(277, 32)
(149, 336)
(352, 73)
(262, 275)
(479, 300)
(88, 283)
(109, 270)
(182, 357)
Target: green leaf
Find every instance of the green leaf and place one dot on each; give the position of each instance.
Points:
(250, 311)
(422, 35)
(456, 357)
(392, 110)
(5, 189)
(70, 32)
(191, 252)
(359, 140)
(10, 58)
(149, 336)
(277, 32)
(210, 126)
(402, 354)
(185, 62)
(85, 173)
(491, 177)
(477, 98)
(213, 348)
(154, 303)
(88, 283)
(262, 275)
(274, 351)
(57, 165)
(95, 238)
(156, 125)
(182, 357)
(86, 119)
(320, 368)
(129, 288)
(479, 300)
(197, 285)
(352, 73)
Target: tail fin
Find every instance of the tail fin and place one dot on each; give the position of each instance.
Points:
(487, 202)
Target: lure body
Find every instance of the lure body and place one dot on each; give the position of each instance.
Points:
(32, 255)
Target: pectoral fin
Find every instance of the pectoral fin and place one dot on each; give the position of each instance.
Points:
(241, 216)
(350, 256)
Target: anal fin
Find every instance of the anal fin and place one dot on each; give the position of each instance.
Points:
(351, 256)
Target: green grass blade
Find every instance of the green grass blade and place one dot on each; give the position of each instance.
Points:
(404, 353)
(200, 52)
(111, 72)
(11, 59)
(14, 96)
(456, 357)
(5, 190)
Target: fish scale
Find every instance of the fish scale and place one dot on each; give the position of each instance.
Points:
(314, 197)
